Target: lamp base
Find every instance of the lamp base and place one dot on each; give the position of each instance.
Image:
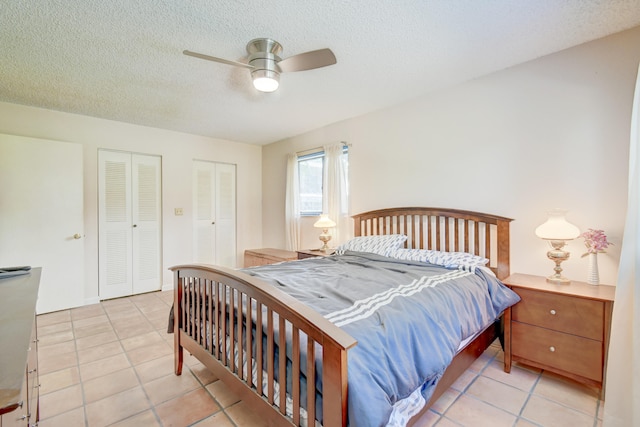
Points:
(558, 280)
(557, 255)
(324, 248)
(324, 238)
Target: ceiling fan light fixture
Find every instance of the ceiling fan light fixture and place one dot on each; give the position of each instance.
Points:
(265, 80)
(266, 65)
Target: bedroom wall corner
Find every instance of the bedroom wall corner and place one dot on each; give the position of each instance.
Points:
(552, 132)
(177, 150)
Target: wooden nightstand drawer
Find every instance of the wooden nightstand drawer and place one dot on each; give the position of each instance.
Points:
(576, 316)
(569, 353)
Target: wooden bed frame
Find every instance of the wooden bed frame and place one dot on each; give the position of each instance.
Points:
(204, 293)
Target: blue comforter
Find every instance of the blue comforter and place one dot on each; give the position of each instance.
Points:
(409, 319)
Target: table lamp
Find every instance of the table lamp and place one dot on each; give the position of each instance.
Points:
(557, 230)
(325, 224)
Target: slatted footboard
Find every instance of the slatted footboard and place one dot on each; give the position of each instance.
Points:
(232, 323)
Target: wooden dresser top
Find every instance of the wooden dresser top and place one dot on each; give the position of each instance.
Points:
(575, 288)
(273, 252)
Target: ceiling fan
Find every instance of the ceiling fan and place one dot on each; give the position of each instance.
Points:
(266, 65)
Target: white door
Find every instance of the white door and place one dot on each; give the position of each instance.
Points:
(129, 223)
(115, 223)
(214, 207)
(41, 216)
(147, 221)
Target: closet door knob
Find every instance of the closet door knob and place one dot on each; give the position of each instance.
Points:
(135, 225)
(553, 312)
(552, 349)
(77, 236)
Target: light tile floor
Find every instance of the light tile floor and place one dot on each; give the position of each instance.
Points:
(111, 364)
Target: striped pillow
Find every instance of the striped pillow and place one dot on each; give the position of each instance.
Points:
(462, 260)
(380, 245)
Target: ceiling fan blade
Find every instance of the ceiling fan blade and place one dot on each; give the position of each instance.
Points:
(308, 60)
(213, 58)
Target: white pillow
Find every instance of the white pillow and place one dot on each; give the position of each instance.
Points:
(379, 244)
(420, 255)
(462, 260)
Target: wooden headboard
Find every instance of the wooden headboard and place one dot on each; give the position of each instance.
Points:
(443, 230)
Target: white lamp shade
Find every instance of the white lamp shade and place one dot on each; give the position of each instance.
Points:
(324, 222)
(557, 227)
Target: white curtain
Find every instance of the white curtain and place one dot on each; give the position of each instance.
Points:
(622, 392)
(335, 201)
(292, 202)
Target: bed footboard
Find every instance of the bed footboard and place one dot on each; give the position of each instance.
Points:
(238, 327)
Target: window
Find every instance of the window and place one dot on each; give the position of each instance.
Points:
(310, 173)
(310, 176)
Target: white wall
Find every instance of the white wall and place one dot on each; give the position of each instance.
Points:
(550, 133)
(177, 151)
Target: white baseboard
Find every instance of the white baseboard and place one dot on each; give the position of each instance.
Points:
(90, 301)
(96, 300)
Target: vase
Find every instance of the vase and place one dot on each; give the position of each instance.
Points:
(593, 277)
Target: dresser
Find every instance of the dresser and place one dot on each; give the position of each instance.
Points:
(254, 257)
(560, 328)
(19, 350)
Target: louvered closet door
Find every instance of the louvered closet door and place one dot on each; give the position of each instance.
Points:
(214, 200)
(146, 214)
(115, 223)
(129, 223)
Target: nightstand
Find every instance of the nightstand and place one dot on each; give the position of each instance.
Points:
(310, 253)
(254, 257)
(559, 328)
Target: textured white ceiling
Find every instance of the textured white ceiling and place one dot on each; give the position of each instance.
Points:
(122, 59)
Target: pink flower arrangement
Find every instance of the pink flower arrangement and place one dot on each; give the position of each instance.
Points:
(595, 241)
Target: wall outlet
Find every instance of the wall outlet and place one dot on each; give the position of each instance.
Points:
(178, 211)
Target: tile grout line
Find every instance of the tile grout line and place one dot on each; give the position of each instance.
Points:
(531, 392)
(152, 407)
(466, 388)
(526, 402)
(77, 364)
(75, 345)
(200, 383)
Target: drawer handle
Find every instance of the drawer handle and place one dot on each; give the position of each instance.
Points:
(553, 312)
(552, 349)
(31, 371)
